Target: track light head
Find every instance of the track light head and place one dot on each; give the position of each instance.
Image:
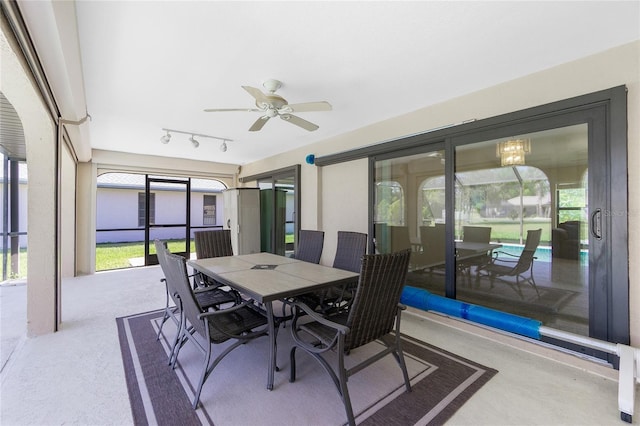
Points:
(223, 147)
(194, 141)
(165, 138)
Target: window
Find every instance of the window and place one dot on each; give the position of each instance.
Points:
(152, 208)
(209, 210)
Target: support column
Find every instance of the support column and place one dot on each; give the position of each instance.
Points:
(86, 219)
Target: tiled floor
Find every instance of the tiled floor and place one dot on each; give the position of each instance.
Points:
(75, 376)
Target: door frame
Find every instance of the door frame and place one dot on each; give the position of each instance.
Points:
(273, 176)
(152, 259)
(606, 113)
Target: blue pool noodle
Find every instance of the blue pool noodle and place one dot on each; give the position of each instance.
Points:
(422, 299)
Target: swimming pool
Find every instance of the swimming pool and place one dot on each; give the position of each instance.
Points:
(543, 254)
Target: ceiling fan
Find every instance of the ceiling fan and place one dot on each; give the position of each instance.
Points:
(272, 105)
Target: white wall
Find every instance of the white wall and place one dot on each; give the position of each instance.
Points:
(323, 189)
(118, 208)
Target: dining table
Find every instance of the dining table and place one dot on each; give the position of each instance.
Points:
(266, 278)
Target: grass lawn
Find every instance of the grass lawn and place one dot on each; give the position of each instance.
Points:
(117, 255)
(22, 273)
(509, 230)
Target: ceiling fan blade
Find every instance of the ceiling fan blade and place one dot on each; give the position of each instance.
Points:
(257, 94)
(259, 124)
(307, 125)
(309, 106)
(231, 109)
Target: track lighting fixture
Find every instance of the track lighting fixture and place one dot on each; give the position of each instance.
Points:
(166, 138)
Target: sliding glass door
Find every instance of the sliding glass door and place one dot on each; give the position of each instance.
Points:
(279, 209)
(524, 215)
(517, 190)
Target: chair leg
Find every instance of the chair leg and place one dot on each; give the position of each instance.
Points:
(177, 343)
(292, 361)
(344, 390)
(165, 317)
(203, 376)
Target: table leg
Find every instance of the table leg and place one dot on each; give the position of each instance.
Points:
(272, 344)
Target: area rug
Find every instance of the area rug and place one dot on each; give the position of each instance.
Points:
(236, 394)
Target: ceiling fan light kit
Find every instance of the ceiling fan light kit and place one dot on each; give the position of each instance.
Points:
(272, 105)
(166, 138)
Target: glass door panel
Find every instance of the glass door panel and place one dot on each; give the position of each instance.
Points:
(278, 202)
(285, 214)
(508, 194)
(409, 212)
(167, 217)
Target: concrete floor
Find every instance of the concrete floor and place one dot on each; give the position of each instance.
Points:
(75, 376)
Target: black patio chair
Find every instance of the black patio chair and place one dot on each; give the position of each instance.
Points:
(465, 259)
(241, 322)
(211, 243)
(206, 298)
(372, 316)
(309, 246)
(511, 267)
(350, 248)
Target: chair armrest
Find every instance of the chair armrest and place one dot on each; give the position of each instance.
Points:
(319, 318)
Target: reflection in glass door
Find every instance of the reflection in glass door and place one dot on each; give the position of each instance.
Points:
(522, 244)
(409, 212)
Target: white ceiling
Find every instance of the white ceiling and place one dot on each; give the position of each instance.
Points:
(154, 64)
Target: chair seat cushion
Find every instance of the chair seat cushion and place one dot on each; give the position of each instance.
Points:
(208, 298)
(236, 322)
(323, 333)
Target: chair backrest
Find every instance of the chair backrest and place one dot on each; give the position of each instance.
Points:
(533, 239)
(528, 252)
(476, 234)
(162, 251)
(178, 279)
(310, 245)
(349, 251)
(213, 243)
(374, 308)
(432, 239)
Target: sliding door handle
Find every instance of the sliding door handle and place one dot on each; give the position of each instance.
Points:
(596, 224)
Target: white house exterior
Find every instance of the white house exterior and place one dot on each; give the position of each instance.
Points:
(119, 197)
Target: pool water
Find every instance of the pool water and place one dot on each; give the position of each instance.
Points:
(543, 254)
